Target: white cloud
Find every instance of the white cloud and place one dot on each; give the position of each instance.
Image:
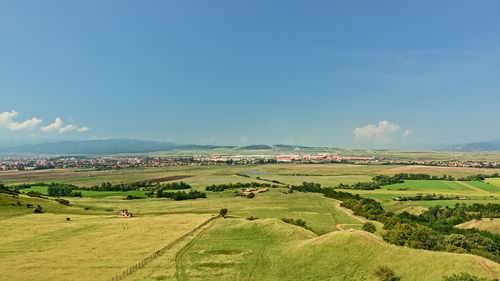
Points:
(59, 126)
(407, 133)
(53, 127)
(381, 133)
(83, 129)
(6, 120)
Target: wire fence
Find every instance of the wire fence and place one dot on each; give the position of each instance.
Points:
(158, 253)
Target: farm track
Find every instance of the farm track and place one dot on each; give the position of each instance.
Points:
(348, 213)
(481, 262)
(179, 266)
(160, 252)
(469, 186)
(340, 227)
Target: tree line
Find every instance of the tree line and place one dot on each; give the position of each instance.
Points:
(179, 195)
(238, 185)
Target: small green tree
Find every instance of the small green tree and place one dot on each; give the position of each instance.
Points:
(223, 212)
(370, 227)
(384, 273)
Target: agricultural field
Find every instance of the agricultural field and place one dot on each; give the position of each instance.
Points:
(427, 186)
(332, 246)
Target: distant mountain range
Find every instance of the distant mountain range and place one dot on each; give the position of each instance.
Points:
(117, 146)
(493, 145)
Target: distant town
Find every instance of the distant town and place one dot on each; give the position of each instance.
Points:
(123, 162)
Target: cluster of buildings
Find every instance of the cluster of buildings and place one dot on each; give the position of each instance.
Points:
(321, 158)
(121, 162)
(453, 163)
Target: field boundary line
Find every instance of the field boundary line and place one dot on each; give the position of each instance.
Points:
(470, 186)
(488, 270)
(159, 253)
(179, 255)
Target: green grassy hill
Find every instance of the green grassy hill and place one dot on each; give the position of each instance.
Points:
(272, 250)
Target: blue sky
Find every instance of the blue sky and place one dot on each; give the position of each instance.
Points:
(334, 73)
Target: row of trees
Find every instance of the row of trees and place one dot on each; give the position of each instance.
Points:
(238, 185)
(180, 195)
(426, 197)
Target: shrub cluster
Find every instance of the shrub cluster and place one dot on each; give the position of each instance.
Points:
(180, 195)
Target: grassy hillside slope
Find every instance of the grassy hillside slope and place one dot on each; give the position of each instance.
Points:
(272, 250)
(492, 226)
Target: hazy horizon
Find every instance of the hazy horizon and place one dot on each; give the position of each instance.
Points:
(380, 74)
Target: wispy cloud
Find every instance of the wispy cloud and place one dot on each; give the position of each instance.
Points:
(7, 121)
(407, 133)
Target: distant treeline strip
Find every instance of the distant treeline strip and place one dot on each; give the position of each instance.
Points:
(158, 253)
(158, 180)
(238, 185)
(433, 229)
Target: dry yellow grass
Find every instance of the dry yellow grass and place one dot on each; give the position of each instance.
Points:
(47, 247)
(491, 225)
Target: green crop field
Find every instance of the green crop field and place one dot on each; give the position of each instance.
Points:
(493, 181)
(426, 185)
(484, 186)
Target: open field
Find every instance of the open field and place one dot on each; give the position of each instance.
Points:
(231, 249)
(46, 247)
(425, 185)
(493, 181)
(491, 225)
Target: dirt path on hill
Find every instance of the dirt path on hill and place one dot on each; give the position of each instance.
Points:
(481, 262)
(469, 186)
(348, 213)
(340, 226)
(180, 267)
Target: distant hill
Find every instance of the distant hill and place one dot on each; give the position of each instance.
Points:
(493, 145)
(256, 147)
(111, 146)
(117, 146)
